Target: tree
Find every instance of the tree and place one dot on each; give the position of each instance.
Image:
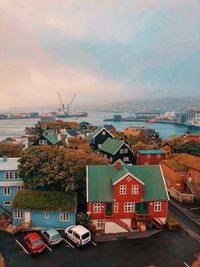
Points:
(10, 150)
(189, 147)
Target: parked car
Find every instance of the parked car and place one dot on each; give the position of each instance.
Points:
(51, 235)
(34, 243)
(78, 234)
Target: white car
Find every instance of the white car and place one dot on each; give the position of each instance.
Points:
(78, 234)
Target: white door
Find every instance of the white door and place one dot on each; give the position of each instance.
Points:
(27, 216)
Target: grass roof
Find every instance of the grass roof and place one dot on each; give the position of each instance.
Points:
(45, 200)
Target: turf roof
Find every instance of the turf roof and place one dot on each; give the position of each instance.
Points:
(111, 146)
(45, 200)
(100, 179)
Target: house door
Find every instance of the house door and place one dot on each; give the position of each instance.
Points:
(108, 209)
(27, 216)
(141, 208)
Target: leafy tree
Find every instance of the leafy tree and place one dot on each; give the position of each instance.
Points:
(35, 130)
(10, 150)
(189, 147)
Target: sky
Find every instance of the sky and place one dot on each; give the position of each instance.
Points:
(102, 50)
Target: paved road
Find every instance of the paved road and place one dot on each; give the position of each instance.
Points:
(185, 219)
(165, 249)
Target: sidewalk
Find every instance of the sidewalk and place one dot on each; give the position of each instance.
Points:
(129, 235)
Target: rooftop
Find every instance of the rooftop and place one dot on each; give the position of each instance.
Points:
(52, 138)
(9, 165)
(45, 200)
(151, 151)
(102, 177)
(111, 146)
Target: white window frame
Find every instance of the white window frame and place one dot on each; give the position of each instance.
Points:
(158, 156)
(5, 203)
(103, 132)
(19, 188)
(7, 190)
(43, 142)
(125, 150)
(129, 207)
(18, 214)
(125, 159)
(46, 215)
(148, 156)
(181, 173)
(116, 207)
(122, 190)
(63, 217)
(9, 175)
(157, 206)
(16, 176)
(97, 207)
(135, 189)
(121, 151)
(100, 224)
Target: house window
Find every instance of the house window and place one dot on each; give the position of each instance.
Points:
(146, 163)
(46, 215)
(100, 224)
(121, 151)
(99, 146)
(134, 189)
(7, 203)
(116, 207)
(9, 175)
(157, 206)
(97, 207)
(103, 132)
(125, 150)
(19, 188)
(16, 176)
(125, 159)
(148, 156)
(18, 214)
(6, 190)
(42, 142)
(129, 207)
(190, 174)
(64, 217)
(158, 156)
(122, 190)
(181, 173)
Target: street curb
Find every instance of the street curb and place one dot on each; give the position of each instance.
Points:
(187, 213)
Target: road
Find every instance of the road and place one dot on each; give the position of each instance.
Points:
(188, 224)
(163, 250)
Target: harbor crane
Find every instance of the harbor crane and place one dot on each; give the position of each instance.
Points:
(70, 104)
(62, 105)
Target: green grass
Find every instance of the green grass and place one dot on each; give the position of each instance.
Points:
(45, 200)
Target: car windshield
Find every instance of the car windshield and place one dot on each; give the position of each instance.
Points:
(37, 242)
(86, 235)
(55, 237)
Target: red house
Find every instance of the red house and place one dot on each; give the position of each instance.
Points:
(195, 136)
(150, 157)
(120, 197)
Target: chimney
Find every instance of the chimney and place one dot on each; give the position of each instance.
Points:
(118, 165)
(4, 158)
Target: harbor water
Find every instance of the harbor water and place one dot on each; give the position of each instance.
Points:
(11, 128)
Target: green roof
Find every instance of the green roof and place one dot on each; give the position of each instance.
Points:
(45, 200)
(101, 179)
(196, 133)
(52, 138)
(111, 145)
(94, 132)
(152, 151)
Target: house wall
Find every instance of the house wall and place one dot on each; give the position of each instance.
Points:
(195, 178)
(192, 137)
(142, 159)
(12, 184)
(100, 139)
(174, 179)
(38, 219)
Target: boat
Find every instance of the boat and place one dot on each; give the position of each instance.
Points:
(192, 126)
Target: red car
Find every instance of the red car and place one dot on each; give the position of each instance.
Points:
(34, 243)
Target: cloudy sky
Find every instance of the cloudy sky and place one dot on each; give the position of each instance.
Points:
(102, 50)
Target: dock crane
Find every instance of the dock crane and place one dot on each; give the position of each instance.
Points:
(62, 105)
(70, 104)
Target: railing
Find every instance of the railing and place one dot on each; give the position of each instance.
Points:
(193, 190)
(7, 212)
(121, 224)
(158, 223)
(22, 226)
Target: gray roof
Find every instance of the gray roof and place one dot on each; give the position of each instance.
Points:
(9, 165)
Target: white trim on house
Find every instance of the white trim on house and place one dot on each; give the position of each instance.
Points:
(164, 183)
(14, 183)
(126, 146)
(129, 175)
(103, 128)
(87, 183)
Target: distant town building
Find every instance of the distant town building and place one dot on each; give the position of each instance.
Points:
(150, 157)
(99, 136)
(147, 115)
(192, 136)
